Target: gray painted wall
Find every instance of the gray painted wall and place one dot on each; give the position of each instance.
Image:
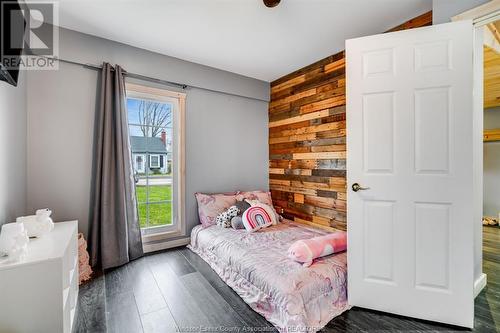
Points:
(444, 10)
(491, 166)
(226, 136)
(12, 150)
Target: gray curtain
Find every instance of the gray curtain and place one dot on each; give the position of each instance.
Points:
(115, 235)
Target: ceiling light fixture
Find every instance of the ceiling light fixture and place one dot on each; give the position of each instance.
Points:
(271, 3)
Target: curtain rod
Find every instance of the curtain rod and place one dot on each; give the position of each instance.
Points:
(152, 79)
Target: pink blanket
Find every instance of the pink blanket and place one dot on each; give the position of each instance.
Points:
(256, 265)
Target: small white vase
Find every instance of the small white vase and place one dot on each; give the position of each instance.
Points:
(14, 241)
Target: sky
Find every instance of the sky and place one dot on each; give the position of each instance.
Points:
(133, 115)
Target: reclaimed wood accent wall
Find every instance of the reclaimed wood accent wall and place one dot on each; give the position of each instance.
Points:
(307, 141)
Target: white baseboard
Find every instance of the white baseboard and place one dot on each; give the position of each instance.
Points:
(479, 284)
(152, 247)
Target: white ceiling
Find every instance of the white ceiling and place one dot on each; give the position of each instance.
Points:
(240, 36)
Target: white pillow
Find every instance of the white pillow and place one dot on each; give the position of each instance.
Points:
(269, 209)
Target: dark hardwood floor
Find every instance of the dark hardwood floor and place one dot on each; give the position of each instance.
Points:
(176, 289)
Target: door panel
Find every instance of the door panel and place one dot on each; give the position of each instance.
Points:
(432, 121)
(378, 115)
(432, 262)
(409, 137)
(379, 242)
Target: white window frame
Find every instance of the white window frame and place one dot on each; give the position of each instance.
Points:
(143, 169)
(151, 166)
(156, 236)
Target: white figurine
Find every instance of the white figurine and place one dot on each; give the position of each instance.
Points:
(14, 241)
(39, 224)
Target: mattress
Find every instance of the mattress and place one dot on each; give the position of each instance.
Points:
(255, 265)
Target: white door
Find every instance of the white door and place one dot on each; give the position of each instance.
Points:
(409, 136)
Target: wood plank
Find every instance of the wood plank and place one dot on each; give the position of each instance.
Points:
(309, 116)
(310, 129)
(491, 135)
(335, 65)
(331, 134)
(292, 189)
(318, 64)
(292, 98)
(332, 164)
(329, 148)
(299, 172)
(491, 77)
(289, 150)
(316, 186)
(288, 83)
(293, 164)
(290, 126)
(280, 182)
(324, 104)
(336, 77)
(320, 156)
(301, 137)
(322, 220)
(277, 171)
(318, 97)
(328, 173)
(316, 225)
(297, 197)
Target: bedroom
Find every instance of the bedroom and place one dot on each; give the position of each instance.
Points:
(197, 108)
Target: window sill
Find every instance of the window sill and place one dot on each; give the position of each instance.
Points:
(161, 236)
(153, 246)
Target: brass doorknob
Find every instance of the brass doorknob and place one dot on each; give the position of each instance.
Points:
(356, 187)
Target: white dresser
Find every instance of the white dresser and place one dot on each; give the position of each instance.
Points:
(40, 293)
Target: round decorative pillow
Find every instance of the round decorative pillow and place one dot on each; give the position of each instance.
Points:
(255, 218)
(269, 209)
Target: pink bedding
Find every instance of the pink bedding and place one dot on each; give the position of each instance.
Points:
(257, 267)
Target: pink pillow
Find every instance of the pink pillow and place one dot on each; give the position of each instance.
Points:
(211, 205)
(255, 218)
(262, 196)
(305, 250)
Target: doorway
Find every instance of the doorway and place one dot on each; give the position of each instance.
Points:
(491, 157)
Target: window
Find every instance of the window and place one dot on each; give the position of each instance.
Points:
(156, 122)
(154, 161)
(139, 163)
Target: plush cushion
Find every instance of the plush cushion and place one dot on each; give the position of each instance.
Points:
(269, 209)
(237, 222)
(255, 218)
(242, 206)
(224, 218)
(211, 205)
(306, 250)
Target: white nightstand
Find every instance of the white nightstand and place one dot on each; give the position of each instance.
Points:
(40, 293)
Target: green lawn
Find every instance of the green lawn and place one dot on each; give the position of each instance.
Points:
(159, 213)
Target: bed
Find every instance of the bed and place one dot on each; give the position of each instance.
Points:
(255, 265)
